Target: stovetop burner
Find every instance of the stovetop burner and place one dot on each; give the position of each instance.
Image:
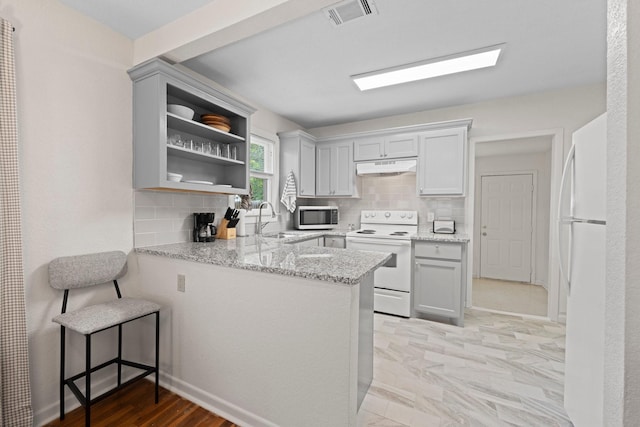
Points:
(395, 225)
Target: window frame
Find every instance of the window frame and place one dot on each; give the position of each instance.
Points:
(270, 174)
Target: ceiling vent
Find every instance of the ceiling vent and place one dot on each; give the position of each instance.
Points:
(349, 10)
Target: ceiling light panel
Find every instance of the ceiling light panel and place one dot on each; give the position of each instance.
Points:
(460, 62)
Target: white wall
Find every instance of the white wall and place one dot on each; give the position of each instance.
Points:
(569, 109)
(75, 124)
(622, 341)
(541, 163)
(74, 106)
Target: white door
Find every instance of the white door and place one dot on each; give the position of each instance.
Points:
(505, 232)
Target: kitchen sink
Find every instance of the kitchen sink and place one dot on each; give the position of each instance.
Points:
(282, 235)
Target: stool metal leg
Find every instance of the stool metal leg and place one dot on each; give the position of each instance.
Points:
(157, 351)
(119, 355)
(87, 408)
(62, 361)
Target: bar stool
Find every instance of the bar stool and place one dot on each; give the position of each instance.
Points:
(83, 271)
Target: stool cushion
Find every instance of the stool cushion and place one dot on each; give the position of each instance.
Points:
(94, 318)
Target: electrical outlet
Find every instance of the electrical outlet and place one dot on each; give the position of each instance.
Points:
(431, 216)
(181, 283)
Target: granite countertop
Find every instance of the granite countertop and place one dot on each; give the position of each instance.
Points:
(422, 235)
(278, 256)
(429, 236)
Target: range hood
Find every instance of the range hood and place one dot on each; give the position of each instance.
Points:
(386, 167)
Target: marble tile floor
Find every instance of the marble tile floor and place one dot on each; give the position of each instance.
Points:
(498, 370)
(513, 297)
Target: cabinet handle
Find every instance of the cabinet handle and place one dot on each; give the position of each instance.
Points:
(437, 247)
(484, 234)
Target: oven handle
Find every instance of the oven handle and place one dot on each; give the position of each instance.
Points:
(379, 241)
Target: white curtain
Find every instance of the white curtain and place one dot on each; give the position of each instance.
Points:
(15, 392)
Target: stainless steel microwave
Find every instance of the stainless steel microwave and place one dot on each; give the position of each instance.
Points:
(316, 217)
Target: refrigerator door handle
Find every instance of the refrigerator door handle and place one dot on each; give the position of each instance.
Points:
(566, 275)
(589, 221)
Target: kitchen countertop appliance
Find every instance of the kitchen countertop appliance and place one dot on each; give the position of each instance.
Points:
(388, 231)
(203, 228)
(444, 226)
(581, 245)
(316, 217)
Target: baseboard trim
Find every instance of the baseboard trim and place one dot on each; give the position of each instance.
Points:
(215, 404)
(509, 313)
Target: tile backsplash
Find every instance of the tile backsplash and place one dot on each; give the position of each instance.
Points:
(394, 192)
(163, 217)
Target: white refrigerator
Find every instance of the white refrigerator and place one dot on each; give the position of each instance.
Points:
(582, 240)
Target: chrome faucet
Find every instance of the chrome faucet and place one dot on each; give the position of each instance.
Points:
(259, 224)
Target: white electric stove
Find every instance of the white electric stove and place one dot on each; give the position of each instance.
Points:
(388, 231)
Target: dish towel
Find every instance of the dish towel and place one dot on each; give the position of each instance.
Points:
(289, 192)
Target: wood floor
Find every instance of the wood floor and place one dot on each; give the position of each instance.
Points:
(134, 406)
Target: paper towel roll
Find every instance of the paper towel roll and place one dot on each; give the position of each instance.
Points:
(240, 228)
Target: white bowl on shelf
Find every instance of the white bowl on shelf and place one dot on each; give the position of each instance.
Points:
(175, 177)
(181, 110)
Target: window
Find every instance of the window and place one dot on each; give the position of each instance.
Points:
(261, 166)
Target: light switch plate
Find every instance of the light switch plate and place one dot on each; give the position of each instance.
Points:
(181, 283)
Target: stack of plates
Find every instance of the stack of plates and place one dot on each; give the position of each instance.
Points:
(217, 121)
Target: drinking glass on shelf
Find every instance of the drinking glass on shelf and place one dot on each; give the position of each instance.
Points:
(197, 146)
(215, 150)
(226, 151)
(175, 139)
(206, 149)
(234, 152)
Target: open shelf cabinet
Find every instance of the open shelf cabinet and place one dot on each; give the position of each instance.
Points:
(164, 142)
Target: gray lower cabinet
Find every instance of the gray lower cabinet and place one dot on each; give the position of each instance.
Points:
(317, 241)
(438, 287)
(335, 242)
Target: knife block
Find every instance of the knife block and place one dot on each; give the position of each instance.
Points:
(224, 232)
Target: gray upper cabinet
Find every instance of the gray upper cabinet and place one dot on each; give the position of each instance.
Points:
(386, 147)
(442, 162)
(334, 169)
(298, 154)
(371, 148)
(164, 142)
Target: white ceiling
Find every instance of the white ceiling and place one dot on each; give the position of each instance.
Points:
(301, 69)
(135, 18)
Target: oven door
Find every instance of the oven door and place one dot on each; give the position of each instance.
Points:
(395, 274)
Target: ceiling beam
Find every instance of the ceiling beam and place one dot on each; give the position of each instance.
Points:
(217, 24)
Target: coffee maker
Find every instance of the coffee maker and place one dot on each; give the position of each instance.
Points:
(203, 228)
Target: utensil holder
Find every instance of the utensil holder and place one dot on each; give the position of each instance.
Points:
(224, 232)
